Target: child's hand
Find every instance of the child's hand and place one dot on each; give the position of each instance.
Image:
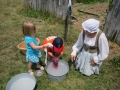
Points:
(45, 45)
(55, 61)
(49, 45)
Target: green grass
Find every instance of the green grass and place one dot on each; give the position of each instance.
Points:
(90, 1)
(13, 13)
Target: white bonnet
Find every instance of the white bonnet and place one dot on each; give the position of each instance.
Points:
(91, 25)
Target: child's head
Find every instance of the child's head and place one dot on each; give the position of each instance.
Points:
(28, 28)
(57, 45)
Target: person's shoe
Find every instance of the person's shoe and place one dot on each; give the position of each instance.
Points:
(40, 67)
(31, 72)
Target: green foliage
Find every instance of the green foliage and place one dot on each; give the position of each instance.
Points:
(29, 13)
(111, 5)
(43, 15)
(116, 61)
(13, 63)
(89, 1)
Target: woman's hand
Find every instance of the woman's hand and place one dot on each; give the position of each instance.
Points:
(73, 58)
(92, 63)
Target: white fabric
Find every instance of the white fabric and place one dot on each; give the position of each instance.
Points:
(91, 25)
(45, 49)
(70, 2)
(49, 45)
(103, 46)
(82, 63)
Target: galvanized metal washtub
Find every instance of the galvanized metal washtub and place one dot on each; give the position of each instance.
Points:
(23, 81)
(59, 73)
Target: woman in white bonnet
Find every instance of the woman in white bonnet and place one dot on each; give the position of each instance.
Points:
(91, 48)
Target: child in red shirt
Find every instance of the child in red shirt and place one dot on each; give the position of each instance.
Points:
(56, 51)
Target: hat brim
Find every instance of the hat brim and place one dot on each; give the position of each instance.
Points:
(58, 50)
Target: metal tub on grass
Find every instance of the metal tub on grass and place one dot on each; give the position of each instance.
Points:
(59, 73)
(23, 81)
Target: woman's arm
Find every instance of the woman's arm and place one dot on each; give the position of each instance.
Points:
(77, 46)
(103, 49)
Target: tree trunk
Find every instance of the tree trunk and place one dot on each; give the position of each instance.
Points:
(112, 25)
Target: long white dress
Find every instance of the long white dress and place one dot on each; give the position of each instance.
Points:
(82, 62)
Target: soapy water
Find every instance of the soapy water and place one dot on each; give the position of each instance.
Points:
(20, 84)
(62, 68)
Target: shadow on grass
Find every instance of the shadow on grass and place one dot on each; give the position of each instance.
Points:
(70, 63)
(35, 87)
(34, 65)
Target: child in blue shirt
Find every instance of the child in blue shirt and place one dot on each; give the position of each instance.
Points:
(33, 53)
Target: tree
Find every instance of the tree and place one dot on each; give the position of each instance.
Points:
(112, 25)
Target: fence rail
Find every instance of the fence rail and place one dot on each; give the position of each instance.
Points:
(56, 7)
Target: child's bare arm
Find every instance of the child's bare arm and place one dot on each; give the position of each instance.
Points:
(38, 47)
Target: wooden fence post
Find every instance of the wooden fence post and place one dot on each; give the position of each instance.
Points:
(26, 2)
(67, 21)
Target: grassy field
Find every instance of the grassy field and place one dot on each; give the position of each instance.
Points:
(13, 13)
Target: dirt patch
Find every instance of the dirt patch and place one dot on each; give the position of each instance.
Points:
(100, 11)
(114, 50)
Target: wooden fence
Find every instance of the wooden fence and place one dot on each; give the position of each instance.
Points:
(56, 7)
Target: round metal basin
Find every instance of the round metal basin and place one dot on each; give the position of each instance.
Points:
(59, 73)
(23, 81)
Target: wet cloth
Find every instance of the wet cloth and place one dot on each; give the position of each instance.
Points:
(55, 62)
(32, 55)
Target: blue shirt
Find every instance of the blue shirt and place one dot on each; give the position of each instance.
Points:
(30, 50)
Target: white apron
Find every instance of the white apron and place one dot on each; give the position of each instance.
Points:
(82, 63)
